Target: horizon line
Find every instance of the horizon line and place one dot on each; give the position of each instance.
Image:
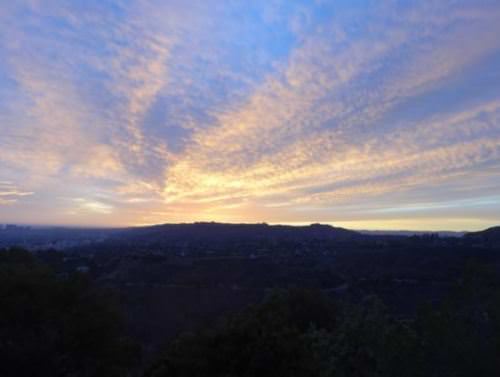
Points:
(292, 224)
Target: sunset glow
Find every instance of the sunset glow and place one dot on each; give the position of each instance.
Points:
(363, 114)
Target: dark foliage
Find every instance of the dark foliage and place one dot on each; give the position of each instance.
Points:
(57, 327)
(266, 340)
(300, 333)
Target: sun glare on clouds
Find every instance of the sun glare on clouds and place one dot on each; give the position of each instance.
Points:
(284, 112)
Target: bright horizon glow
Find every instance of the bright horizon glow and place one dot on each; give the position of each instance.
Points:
(361, 114)
(395, 225)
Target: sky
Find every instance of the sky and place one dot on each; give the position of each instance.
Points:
(363, 114)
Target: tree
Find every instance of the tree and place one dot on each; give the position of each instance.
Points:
(57, 327)
(266, 340)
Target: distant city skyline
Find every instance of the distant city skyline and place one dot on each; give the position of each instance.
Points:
(360, 114)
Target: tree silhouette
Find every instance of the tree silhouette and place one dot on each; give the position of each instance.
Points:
(57, 327)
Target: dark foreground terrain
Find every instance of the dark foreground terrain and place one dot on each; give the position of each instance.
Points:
(211, 299)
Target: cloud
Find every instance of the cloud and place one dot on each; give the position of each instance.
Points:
(10, 193)
(87, 205)
(157, 111)
(318, 122)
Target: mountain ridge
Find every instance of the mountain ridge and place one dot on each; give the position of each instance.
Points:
(242, 230)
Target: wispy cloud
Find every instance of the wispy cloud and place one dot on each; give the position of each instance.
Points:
(269, 110)
(88, 205)
(10, 193)
(319, 123)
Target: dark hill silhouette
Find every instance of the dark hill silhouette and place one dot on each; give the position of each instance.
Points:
(488, 235)
(217, 231)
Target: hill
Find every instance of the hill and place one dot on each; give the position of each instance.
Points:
(489, 235)
(208, 231)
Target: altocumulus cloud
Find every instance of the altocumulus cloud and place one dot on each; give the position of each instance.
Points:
(363, 114)
(10, 194)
